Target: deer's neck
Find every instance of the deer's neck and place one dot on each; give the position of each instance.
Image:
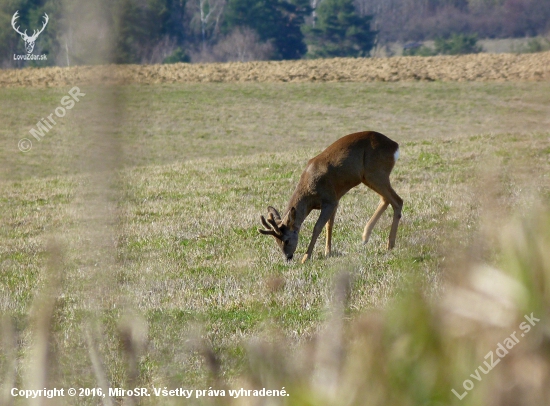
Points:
(302, 205)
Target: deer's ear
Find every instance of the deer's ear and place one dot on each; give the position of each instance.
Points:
(291, 218)
(273, 210)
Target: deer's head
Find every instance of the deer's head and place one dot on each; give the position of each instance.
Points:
(29, 41)
(283, 230)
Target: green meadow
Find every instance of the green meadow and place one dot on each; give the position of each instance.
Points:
(131, 226)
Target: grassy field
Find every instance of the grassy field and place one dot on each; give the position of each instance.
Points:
(177, 123)
(132, 224)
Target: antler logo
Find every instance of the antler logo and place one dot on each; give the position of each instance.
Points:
(29, 41)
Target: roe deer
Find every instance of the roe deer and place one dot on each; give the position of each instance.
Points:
(366, 157)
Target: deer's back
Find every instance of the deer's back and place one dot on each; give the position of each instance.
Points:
(349, 161)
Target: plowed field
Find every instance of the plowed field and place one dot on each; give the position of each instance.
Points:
(477, 67)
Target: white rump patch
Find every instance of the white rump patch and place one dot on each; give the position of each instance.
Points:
(396, 155)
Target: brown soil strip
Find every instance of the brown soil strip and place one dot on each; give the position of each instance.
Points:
(477, 67)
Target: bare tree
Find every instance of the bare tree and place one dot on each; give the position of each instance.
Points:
(241, 45)
(392, 18)
(314, 4)
(208, 14)
(162, 49)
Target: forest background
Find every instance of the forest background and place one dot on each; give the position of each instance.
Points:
(168, 31)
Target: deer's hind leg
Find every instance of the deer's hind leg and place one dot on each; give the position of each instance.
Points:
(328, 228)
(397, 204)
(374, 219)
(388, 196)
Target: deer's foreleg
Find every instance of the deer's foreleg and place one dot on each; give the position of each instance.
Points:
(326, 212)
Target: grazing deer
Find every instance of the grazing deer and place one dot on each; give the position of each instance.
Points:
(366, 157)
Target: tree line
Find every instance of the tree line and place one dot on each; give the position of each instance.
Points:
(416, 20)
(164, 31)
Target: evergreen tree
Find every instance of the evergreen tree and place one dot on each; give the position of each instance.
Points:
(143, 25)
(457, 44)
(277, 21)
(339, 31)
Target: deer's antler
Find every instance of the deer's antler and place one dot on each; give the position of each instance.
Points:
(271, 227)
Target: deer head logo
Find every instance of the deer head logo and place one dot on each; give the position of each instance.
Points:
(29, 41)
